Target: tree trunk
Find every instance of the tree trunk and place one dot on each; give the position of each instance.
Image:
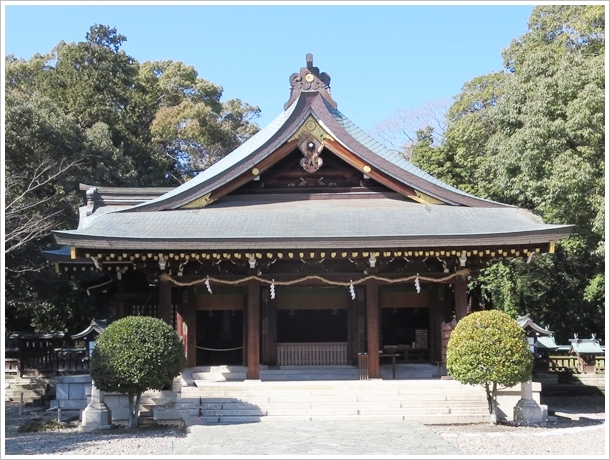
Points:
(492, 404)
(134, 404)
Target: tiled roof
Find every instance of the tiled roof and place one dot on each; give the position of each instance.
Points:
(314, 221)
(547, 342)
(585, 346)
(239, 154)
(391, 155)
(526, 322)
(279, 130)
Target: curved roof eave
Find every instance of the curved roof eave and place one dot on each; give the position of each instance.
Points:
(197, 186)
(394, 164)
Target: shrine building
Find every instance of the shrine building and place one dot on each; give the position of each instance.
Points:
(307, 245)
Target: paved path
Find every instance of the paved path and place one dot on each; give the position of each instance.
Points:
(314, 438)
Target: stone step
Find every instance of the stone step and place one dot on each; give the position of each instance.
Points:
(286, 395)
(30, 386)
(305, 408)
(431, 419)
(307, 404)
(218, 377)
(596, 381)
(330, 396)
(302, 402)
(385, 386)
(28, 393)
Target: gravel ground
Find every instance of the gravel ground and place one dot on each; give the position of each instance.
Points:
(580, 430)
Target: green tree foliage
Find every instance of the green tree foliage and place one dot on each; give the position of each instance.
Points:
(87, 112)
(533, 136)
(135, 354)
(45, 152)
(191, 126)
(489, 348)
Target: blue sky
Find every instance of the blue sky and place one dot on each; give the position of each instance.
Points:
(380, 57)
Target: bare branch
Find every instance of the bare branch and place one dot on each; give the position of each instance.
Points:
(400, 130)
(42, 175)
(24, 219)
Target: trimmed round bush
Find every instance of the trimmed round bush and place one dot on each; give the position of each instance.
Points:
(489, 348)
(135, 354)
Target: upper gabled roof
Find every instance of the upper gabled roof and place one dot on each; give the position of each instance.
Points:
(528, 324)
(340, 137)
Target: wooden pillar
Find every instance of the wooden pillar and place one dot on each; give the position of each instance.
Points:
(356, 314)
(461, 297)
(253, 328)
(181, 325)
(372, 325)
(165, 301)
(269, 328)
(120, 304)
(190, 319)
(437, 316)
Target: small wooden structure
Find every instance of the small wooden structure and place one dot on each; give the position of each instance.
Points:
(33, 353)
(586, 350)
(540, 339)
(90, 333)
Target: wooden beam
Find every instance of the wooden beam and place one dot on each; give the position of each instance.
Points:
(252, 325)
(380, 177)
(372, 325)
(246, 177)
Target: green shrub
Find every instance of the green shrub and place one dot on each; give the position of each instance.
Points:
(489, 348)
(135, 354)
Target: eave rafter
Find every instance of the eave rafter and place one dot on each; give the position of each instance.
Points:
(117, 260)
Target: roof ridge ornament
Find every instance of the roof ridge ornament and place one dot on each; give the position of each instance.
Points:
(309, 79)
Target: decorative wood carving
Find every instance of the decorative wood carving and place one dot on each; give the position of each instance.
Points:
(311, 137)
(311, 126)
(198, 203)
(427, 198)
(310, 79)
(311, 148)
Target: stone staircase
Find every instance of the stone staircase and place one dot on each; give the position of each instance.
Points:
(222, 395)
(567, 384)
(35, 390)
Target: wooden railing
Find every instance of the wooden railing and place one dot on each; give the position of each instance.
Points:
(58, 361)
(11, 366)
(569, 363)
(71, 361)
(308, 354)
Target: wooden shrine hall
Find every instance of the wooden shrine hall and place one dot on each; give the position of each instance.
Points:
(308, 244)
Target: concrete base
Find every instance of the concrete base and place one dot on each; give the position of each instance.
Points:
(95, 418)
(166, 411)
(528, 412)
